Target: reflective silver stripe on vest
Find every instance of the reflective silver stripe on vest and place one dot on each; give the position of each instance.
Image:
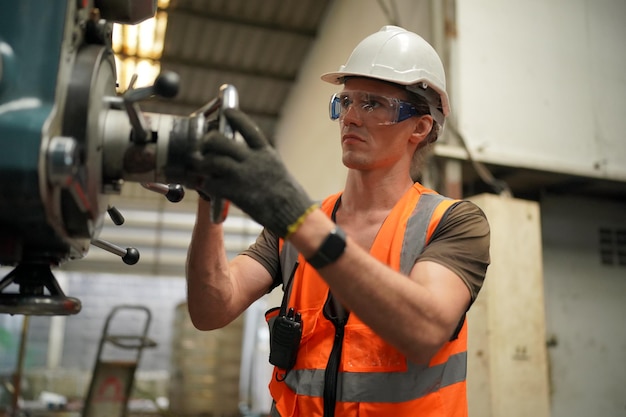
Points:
(390, 387)
(417, 229)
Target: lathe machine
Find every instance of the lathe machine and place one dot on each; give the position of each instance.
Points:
(69, 139)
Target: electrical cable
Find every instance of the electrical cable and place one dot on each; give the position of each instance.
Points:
(392, 15)
(499, 186)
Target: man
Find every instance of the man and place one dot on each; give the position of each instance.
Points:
(372, 321)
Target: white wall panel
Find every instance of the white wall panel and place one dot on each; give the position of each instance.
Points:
(585, 305)
(540, 84)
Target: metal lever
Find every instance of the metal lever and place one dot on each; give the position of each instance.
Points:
(173, 192)
(130, 256)
(166, 85)
(229, 99)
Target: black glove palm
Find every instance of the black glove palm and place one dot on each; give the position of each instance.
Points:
(253, 177)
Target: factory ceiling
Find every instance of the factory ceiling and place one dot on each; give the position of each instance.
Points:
(256, 45)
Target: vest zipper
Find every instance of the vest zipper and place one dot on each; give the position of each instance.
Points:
(332, 369)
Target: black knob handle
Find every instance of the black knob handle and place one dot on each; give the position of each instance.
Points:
(131, 257)
(173, 192)
(167, 84)
(115, 215)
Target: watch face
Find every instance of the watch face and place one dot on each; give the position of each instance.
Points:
(332, 248)
(336, 243)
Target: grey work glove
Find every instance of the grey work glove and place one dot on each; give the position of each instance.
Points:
(251, 176)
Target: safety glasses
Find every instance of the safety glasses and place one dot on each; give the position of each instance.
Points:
(371, 108)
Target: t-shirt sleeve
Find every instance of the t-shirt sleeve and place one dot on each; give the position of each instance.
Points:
(461, 243)
(265, 251)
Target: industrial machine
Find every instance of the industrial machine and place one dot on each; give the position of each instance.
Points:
(68, 140)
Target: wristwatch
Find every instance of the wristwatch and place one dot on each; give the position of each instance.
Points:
(332, 248)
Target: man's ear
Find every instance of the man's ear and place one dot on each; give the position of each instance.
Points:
(423, 126)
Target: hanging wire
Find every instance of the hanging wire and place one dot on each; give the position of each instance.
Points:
(500, 187)
(391, 12)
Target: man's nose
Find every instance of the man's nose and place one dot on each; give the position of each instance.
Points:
(352, 116)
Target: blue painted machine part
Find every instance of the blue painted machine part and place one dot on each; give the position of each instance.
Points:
(31, 36)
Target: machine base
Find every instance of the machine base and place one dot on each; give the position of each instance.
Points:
(31, 300)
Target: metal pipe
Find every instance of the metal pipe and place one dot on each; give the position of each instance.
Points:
(17, 377)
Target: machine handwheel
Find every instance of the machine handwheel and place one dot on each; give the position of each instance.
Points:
(39, 305)
(32, 279)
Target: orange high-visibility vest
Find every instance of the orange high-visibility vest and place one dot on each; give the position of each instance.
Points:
(348, 370)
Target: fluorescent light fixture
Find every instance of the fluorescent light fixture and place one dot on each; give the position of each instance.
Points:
(138, 48)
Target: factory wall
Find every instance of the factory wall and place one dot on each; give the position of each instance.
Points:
(540, 84)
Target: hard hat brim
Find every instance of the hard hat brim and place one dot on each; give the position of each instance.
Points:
(338, 77)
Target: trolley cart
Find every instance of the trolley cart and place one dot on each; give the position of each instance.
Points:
(112, 379)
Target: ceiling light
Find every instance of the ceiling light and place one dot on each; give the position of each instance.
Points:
(138, 48)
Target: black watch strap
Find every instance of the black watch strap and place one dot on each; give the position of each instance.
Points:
(330, 250)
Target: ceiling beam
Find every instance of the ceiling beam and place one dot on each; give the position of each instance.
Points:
(229, 19)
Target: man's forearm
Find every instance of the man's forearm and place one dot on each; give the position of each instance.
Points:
(208, 283)
(415, 314)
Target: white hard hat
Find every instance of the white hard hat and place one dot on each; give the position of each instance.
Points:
(396, 55)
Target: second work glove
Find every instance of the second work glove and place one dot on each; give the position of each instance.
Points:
(251, 176)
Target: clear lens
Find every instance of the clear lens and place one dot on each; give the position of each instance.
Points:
(370, 108)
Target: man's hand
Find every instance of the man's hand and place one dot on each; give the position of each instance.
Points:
(252, 176)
